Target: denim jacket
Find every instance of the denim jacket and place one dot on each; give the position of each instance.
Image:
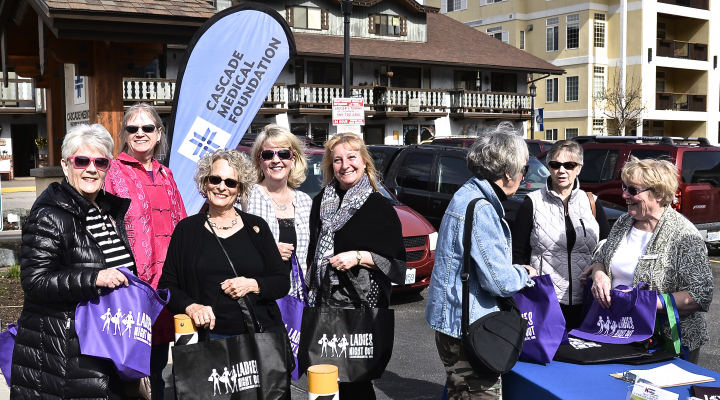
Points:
(492, 273)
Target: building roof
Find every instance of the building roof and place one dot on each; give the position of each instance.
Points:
(185, 8)
(448, 42)
(411, 4)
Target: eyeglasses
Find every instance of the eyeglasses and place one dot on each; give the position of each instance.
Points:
(525, 170)
(569, 165)
(82, 162)
(215, 181)
(145, 128)
(283, 154)
(633, 190)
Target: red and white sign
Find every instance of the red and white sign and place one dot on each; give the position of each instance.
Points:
(348, 111)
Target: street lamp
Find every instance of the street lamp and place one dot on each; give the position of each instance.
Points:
(347, 6)
(532, 111)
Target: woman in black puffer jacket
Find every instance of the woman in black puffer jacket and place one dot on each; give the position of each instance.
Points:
(62, 262)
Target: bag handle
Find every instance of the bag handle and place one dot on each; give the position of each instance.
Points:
(301, 288)
(676, 346)
(592, 203)
(248, 315)
(244, 304)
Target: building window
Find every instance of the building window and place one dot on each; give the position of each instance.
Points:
(320, 132)
(388, 25)
(571, 133)
(598, 126)
(660, 82)
(599, 83)
(661, 30)
(456, 5)
(552, 34)
(551, 134)
(306, 17)
(552, 21)
(522, 40)
(551, 90)
(499, 34)
(572, 88)
(299, 129)
(599, 30)
(572, 18)
(572, 34)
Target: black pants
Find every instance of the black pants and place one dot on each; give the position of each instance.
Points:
(363, 390)
(573, 315)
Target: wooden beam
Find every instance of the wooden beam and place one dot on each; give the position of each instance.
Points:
(105, 90)
(55, 115)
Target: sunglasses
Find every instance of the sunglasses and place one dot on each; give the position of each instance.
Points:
(283, 154)
(569, 165)
(215, 181)
(82, 162)
(145, 128)
(633, 190)
(525, 170)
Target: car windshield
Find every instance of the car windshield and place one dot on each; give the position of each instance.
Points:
(313, 183)
(536, 177)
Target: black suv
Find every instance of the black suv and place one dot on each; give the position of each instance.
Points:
(425, 178)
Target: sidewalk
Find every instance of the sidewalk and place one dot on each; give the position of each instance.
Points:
(24, 184)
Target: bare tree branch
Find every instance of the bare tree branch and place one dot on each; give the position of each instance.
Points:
(622, 108)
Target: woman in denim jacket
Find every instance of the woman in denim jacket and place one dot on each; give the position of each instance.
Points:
(498, 161)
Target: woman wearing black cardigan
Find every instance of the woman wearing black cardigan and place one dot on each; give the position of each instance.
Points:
(353, 230)
(197, 271)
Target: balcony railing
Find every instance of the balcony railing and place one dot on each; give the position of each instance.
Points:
(398, 99)
(304, 95)
(680, 102)
(680, 49)
(468, 101)
(701, 4)
(21, 97)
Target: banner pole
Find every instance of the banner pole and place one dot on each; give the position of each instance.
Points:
(347, 6)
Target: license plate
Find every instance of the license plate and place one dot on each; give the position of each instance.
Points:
(410, 276)
(713, 236)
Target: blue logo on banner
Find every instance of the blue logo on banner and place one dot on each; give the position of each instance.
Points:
(231, 66)
(539, 120)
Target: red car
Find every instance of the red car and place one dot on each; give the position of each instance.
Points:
(419, 235)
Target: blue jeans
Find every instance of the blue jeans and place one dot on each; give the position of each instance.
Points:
(216, 336)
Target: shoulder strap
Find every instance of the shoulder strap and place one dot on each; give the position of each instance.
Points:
(465, 277)
(592, 203)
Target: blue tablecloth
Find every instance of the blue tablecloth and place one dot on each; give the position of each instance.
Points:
(559, 380)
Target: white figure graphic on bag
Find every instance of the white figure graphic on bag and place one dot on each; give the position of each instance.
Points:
(233, 378)
(333, 345)
(604, 326)
(106, 317)
(613, 327)
(324, 342)
(116, 320)
(215, 379)
(343, 346)
(225, 378)
(128, 322)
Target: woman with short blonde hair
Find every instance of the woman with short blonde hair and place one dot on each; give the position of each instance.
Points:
(281, 166)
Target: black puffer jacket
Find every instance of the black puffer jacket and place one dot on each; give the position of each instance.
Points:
(59, 262)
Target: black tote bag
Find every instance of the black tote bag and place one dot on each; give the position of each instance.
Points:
(358, 341)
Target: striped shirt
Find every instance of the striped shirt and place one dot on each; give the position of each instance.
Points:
(102, 229)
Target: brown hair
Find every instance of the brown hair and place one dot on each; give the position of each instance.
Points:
(350, 141)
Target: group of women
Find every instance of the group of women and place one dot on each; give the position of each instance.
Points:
(560, 230)
(128, 212)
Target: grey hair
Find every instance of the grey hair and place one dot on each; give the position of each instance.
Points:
(161, 147)
(237, 160)
(93, 136)
(570, 146)
(498, 152)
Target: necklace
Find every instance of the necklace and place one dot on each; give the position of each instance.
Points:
(234, 222)
(283, 206)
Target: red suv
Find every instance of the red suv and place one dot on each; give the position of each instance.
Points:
(697, 198)
(419, 235)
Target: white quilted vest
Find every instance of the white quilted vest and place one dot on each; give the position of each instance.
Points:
(549, 243)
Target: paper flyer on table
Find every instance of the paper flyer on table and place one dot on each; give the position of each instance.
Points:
(668, 375)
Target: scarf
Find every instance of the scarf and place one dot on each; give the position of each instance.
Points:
(333, 217)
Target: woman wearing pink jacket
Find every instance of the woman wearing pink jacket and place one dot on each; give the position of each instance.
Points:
(155, 209)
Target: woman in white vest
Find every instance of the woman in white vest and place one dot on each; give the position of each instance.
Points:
(557, 228)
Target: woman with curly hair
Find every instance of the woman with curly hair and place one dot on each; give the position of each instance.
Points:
(196, 265)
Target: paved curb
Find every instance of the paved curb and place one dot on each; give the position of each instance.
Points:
(18, 189)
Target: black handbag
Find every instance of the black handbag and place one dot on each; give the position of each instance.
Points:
(358, 341)
(251, 366)
(493, 343)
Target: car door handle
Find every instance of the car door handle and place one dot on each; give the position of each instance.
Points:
(437, 202)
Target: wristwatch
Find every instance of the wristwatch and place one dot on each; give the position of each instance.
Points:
(358, 257)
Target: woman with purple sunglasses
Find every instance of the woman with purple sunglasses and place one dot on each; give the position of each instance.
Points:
(73, 241)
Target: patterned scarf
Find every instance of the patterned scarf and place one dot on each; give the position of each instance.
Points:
(333, 219)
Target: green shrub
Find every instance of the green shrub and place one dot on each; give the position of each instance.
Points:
(13, 272)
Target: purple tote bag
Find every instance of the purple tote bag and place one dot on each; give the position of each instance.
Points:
(291, 308)
(118, 325)
(630, 318)
(7, 343)
(546, 325)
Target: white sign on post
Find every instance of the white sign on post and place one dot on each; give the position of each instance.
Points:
(414, 105)
(348, 111)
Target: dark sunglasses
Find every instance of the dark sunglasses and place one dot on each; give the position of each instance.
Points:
(215, 180)
(569, 165)
(525, 170)
(633, 190)
(82, 162)
(145, 128)
(283, 154)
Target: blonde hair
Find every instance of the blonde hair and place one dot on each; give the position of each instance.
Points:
(281, 137)
(661, 176)
(237, 160)
(350, 141)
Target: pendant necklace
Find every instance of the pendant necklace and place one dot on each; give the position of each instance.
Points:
(281, 207)
(234, 222)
